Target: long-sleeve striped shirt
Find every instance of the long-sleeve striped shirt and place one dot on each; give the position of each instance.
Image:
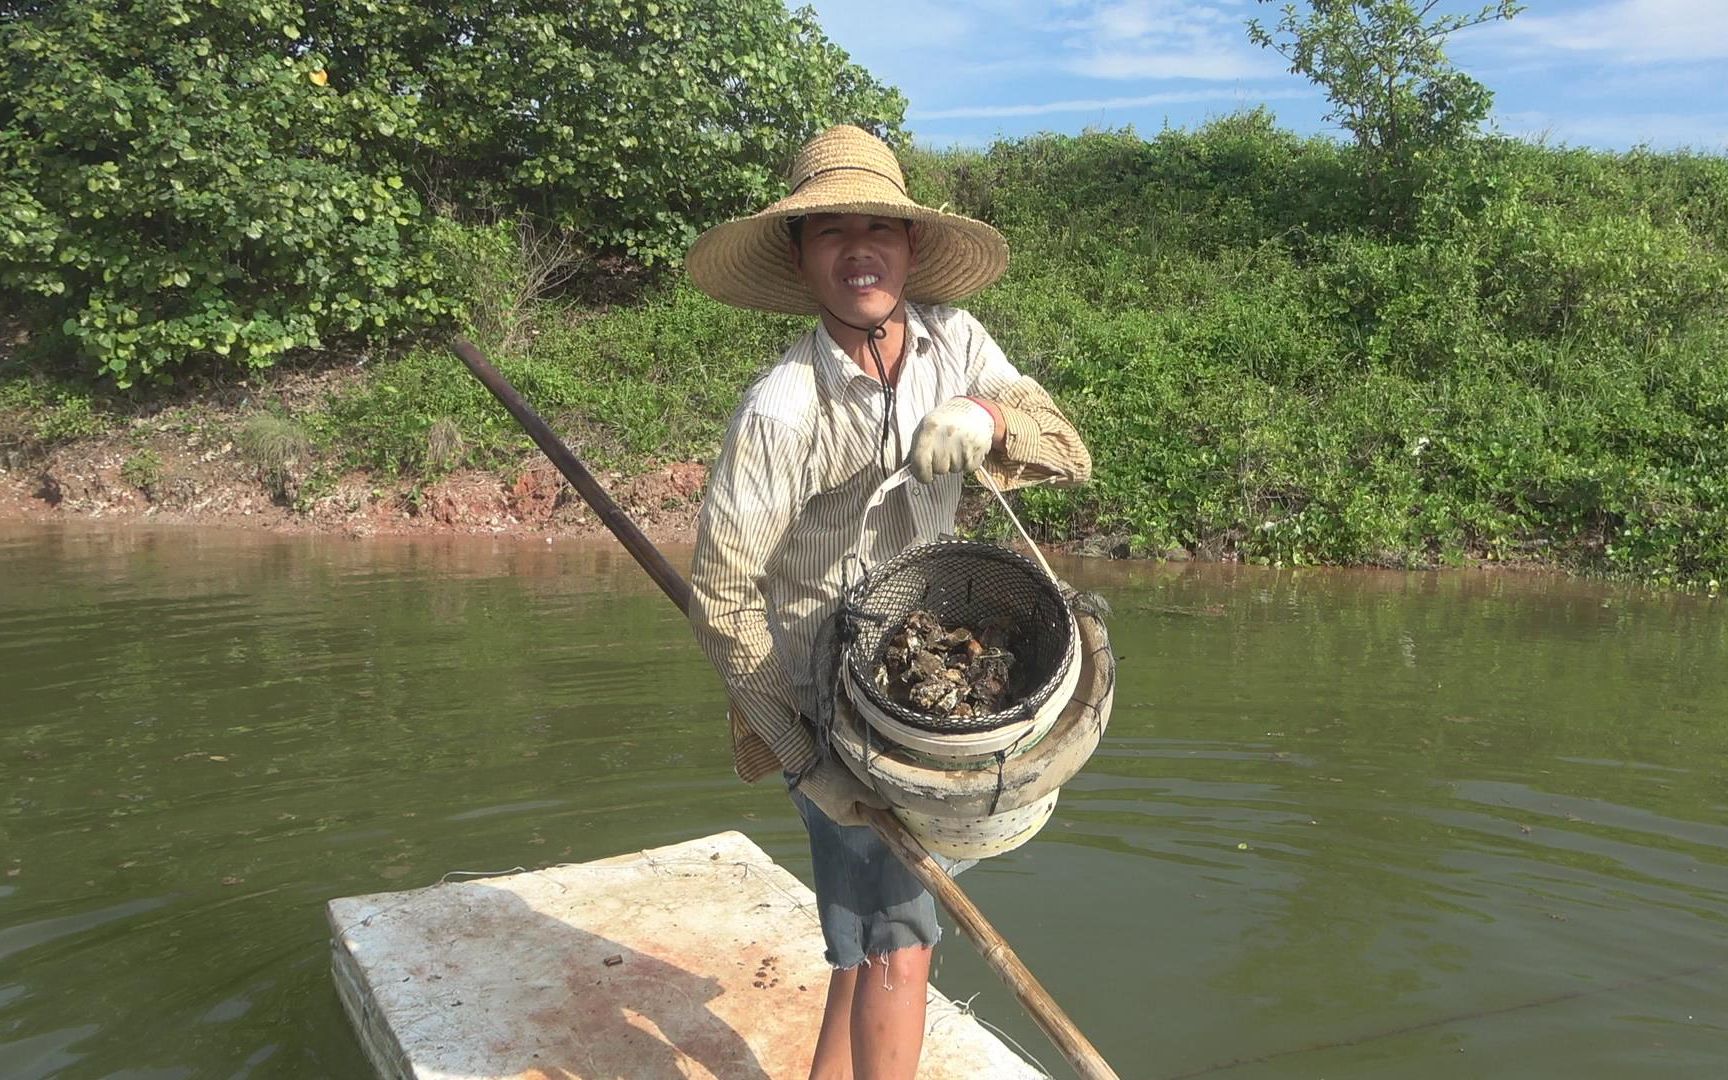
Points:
(804, 451)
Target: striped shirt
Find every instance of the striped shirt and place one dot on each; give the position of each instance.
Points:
(804, 452)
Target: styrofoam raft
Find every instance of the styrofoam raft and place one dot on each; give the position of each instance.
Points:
(716, 971)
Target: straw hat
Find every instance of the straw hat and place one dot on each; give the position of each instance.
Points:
(844, 170)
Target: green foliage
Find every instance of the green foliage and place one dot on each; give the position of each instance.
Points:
(1383, 66)
(654, 380)
(1262, 373)
(238, 180)
(156, 209)
(1529, 376)
(48, 411)
(143, 470)
(632, 123)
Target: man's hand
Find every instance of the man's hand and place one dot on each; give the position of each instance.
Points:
(953, 437)
(837, 793)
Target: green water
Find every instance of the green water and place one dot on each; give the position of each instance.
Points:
(1343, 824)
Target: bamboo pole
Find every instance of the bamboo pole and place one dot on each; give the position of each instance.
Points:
(614, 518)
(992, 946)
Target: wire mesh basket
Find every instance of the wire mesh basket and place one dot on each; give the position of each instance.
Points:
(971, 584)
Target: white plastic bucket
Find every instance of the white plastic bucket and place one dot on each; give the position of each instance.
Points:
(979, 837)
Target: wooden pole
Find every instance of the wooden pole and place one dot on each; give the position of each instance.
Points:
(992, 946)
(614, 518)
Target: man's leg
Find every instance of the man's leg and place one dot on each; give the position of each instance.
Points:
(879, 926)
(834, 1045)
(888, 1015)
(873, 1025)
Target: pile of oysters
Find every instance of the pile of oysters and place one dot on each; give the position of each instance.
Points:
(956, 672)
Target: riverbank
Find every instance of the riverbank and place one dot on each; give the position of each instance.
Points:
(1532, 376)
(212, 486)
(205, 485)
(285, 450)
(229, 459)
(247, 455)
(193, 464)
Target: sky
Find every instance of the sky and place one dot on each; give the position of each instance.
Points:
(1609, 74)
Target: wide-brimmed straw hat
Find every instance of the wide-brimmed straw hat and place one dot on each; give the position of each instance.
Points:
(844, 170)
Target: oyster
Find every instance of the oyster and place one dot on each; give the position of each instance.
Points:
(957, 672)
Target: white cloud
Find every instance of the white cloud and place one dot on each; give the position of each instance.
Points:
(950, 141)
(1628, 31)
(1046, 108)
(1168, 64)
(937, 45)
(1665, 130)
(1161, 39)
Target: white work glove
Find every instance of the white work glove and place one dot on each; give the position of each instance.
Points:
(833, 788)
(952, 437)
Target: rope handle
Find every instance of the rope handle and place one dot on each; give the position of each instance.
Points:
(894, 479)
(990, 482)
(903, 474)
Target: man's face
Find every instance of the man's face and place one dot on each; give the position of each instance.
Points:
(856, 264)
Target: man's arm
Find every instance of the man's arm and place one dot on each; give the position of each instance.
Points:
(754, 492)
(1034, 441)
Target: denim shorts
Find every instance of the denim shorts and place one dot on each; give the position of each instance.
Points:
(869, 904)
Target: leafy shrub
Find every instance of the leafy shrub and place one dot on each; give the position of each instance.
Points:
(652, 380)
(1383, 66)
(155, 211)
(1528, 374)
(238, 180)
(1409, 308)
(1614, 279)
(48, 411)
(633, 124)
(142, 470)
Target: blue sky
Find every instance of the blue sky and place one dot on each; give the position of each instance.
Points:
(1602, 73)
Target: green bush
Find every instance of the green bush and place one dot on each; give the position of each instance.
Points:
(48, 411)
(653, 380)
(1263, 372)
(156, 209)
(143, 470)
(1614, 279)
(181, 179)
(633, 123)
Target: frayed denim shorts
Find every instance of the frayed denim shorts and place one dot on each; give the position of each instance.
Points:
(869, 904)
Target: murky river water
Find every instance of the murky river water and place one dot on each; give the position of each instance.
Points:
(1343, 825)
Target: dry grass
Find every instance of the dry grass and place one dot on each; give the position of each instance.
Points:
(445, 446)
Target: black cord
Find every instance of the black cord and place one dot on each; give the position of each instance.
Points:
(890, 393)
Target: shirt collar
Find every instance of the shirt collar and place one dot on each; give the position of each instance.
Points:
(836, 370)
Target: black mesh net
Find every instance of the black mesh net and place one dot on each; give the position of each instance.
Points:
(970, 584)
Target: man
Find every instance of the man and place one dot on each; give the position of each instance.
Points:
(885, 378)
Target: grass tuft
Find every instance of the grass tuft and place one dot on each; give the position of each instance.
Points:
(278, 448)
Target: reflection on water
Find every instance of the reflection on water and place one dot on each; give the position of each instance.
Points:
(1344, 824)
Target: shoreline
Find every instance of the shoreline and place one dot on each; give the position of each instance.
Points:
(183, 467)
(537, 504)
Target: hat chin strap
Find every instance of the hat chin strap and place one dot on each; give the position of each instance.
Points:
(890, 398)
